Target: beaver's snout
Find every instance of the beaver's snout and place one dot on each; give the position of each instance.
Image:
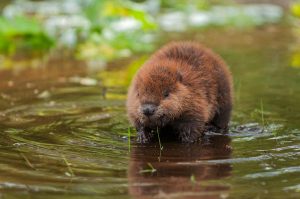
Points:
(148, 109)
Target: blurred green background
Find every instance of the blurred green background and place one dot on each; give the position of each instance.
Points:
(107, 30)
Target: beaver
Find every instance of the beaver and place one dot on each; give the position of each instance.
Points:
(180, 91)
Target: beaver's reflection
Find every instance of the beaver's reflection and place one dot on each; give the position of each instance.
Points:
(179, 165)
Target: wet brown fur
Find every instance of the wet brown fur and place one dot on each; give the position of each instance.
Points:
(191, 87)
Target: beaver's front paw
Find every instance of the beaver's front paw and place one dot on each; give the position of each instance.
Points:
(141, 137)
(144, 136)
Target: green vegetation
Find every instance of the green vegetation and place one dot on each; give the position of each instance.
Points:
(107, 30)
(104, 39)
(22, 35)
(296, 9)
(295, 58)
(193, 179)
(102, 13)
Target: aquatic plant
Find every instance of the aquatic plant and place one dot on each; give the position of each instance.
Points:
(22, 35)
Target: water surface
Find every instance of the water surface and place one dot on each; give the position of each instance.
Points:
(64, 131)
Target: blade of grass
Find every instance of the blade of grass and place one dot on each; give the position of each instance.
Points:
(262, 113)
(129, 135)
(160, 146)
(151, 170)
(68, 165)
(193, 179)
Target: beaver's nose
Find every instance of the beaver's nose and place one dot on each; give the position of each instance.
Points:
(148, 109)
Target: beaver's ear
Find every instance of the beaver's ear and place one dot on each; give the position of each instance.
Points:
(178, 76)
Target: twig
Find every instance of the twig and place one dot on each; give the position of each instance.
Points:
(27, 161)
(151, 170)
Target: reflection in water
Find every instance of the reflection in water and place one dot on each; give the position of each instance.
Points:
(177, 173)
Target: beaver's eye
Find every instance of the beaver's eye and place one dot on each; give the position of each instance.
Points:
(166, 93)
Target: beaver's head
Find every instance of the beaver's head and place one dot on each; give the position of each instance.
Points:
(160, 93)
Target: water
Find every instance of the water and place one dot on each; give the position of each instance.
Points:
(64, 132)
